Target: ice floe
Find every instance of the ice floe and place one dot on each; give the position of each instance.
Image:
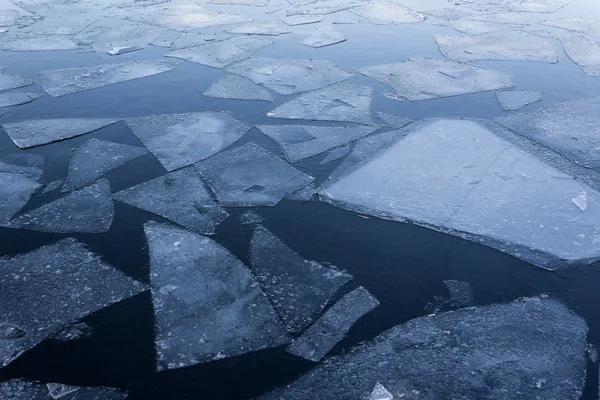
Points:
(583, 52)
(77, 331)
(181, 40)
(324, 36)
(16, 99)
(336, 154)
(268, 28)
(37, 43)
(542, 6)
(15, 191)
(512, 100)
(302, 19)
(29, 165)
(237, 87)
(585, 25)
(254, 3)
(472, 27)
(19, 389)
(394, 121)
(447, 13)
(380, 393)
(304, 194)
(9, 81)
(384, 12)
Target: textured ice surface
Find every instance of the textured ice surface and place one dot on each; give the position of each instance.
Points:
(221, 54)
(66, 24)
(88, 210)
(528, 349)
(509, 45)
(459, 177)
(207, 304)
(237, 87)
(179, 196)
(387, 12)
(60, 82)
(332, 326)
(8, 17)
(429, 78)
(19, 389)
(395, 121)
(461, 294)
(571, 129)
(512, 18)
(269, 28)
(74, 332)
(588, 26)
(15, 191)
(97, 157)
(324, 36)
(584, 52)
(472, 27)
(50, 287)
(250, 176)
(37, 43)
(35, 132)
(380, 393)
(29, 165)
(336, 154)
(302, 19)
(544, 6)
(304, 194)
(447, 13)
(16, 99)
(343, 102)
(298, 289)
(9, 81)
(178, 140)
(181, 40)
(302, 141)
(289, 76)
(512, 100)
(250, 218)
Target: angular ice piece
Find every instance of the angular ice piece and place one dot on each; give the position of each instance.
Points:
(37, 132)
(52, 186)
(585, 25)
(179, 196)
(298, 289)
(58, 390)
(9, 81)
(583, 52)
(302, 19)
(395, 121)
(60, 82)
(302, 141)
(323, 335)
(19, 389)
(380, 393)
(115, 51)
(447, 13)
(38, 43)
(178, 140)
(384, 12)
(31, 172)
(512, 100)
(509, 45)
(461, 294)
(340, 102)
(324, 36)
(542, 6)
(221, 54)
(571, 129)
(74, 332)
(89, 210)
(269, 28)
(97, 157)
(250, 218)
(16, 99)
(15, 191)
(508, 199)
(255, 3)
(336, 154)
(497, 351)
(508, 17)
(304, 194)
(63, 24)
(177, 40)
(250, 176)
(288, 76)
(580, 201)
(237, 87)
(472, 27)
(207, 304)
(430, 78)
(55, 285)
(28, 164)
(331, 8)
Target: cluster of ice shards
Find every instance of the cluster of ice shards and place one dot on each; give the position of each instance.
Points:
(427, 78)
(36, 132)
(460, 177)
(542, 6)
(37, 43)
(237, 87)
(207, 304)
(51, 287)
(9, 81)
(19, 389)
(16, 99)
(461, 294)
(302, 141)
(384, 12)
(179, 140)
(324, 36)
(298, 289)
(268, 28)
(583, 52)
(74, 332)
(302, 19)
(287, 76)
(531, 348)
(512, 100)
(585, 25)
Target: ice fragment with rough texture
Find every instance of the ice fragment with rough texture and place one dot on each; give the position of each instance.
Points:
(302, 19)
(237, 87)
(74, 332)
(380, 393)
(250, 218)
(461, 294)
(324, 36)
(395, 121)
(9, 81)
(384, 12)
(512, 100)
(473, 27)
(543, 6)
(585, 25)
(19, 389)
(268, 28)
(583, 52)
(304, 194)
(336, 154)
(38, 43)
(16, 99)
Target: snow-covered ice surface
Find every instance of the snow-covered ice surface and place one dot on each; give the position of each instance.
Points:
(512, 100)
(267, 28)
(541, 6)
(585, 25)
(239, 88)
(19, 389)
(37, 43)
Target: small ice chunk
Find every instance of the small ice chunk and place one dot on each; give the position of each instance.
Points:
(585, 25)
(38, 43)
(179, 196)
(89, 210)
(298, 289)
(584, 52)
(461, 294)
(60, 390)
(237, 87)
(115, 51)
(302, 19)
(9, 81)
(55, 285)
(74, 332)
(540, 6)
(380, 393)
(268, 28)
(15, 191)
(36, 132)
(19, 389)
(181, 40)
(512, 100)
(327, 331)
(207, 304)
(249, 175)
(394, 121)
(250, 218)
(304, 194)
(324, 36)
(580, 201)
(179, 140)
(336, 154)
(384, 12)
(16, 99)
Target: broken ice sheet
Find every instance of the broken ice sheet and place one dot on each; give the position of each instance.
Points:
(38, 43)
(542, 6)
(427, 78)
(304, 194)
(16, 99)
(88, 210)
(384, 12)
(465, 180)
(531, 348)
(585, 25)
(332, 326)
(471, 27)
(207, 304)
(9, 81)
(302, 19)
(51, 287)
(340, 102)
(303, 141)
(249, 175)
(336, 154)
(290, 76)
(324, 36)
(8, 17)
(178, 140)
(269, 28)
(583, 52)
(394, 121)
(511, 18)
(180, 40)
(34, 132)
(298, 289)
(29, 165)
(512, 100)
(19, 389)
(380, 393)
(461, 294)
(447, 13)
(179, 196)
(97, 157)
(66, 24)
(61, 82)
(15, 191)
(237, 87)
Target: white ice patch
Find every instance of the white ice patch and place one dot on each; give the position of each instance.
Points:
(583, 52)
(512, 100)
(384, 12)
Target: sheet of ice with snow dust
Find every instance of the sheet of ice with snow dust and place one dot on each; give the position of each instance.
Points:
(429, 78)
(15, 191)
(583, 52)
(60, 82)
(531, 348)
(298, 289)
(179, 196)
(19, 389)
(268, 28)
(288, 76)
(51, 287)
(88, 210)
(249, 175)
(16, 99)
(512, 100)
(384, 12)
(459, 177)
(342, 102)
(207, 304)
(180, 40)
(237, 87)
(179, 140)
(36, 132)
(10, 81)
(542, 6)
(303, 141)
(585, 25)
(324, 36)
(323, 335)
(304, 194)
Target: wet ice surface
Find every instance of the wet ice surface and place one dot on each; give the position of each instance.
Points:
(387, 12)
(16, 99)
(512, 100)
(324, 36)
(11, 81)
(15, 191)
(237, 87)
(18, 389)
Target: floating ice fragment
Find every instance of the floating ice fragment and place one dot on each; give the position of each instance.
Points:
(384, 12)
(70, 24)
(115, 51)
(250, 218)
(304, 194)
(542, 6)
(8, 81)
(472, 27)
(59, 390)
(15, 191)
(585, 25)
(52, 186)
(269, 28)
(38, 43)
(461, 294)
(380, 393)
(302, 19)
(583, 52)
(324, 36)
(28, 164)
(16, 99)
(207, 304)
(19, 389)
(237, 87)
(508, 17)
(8, 17)
(447, 13)
(74, 332)
(394, 121)
(336, 154)
(176, 40)
(512, 100)
(580, 201)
